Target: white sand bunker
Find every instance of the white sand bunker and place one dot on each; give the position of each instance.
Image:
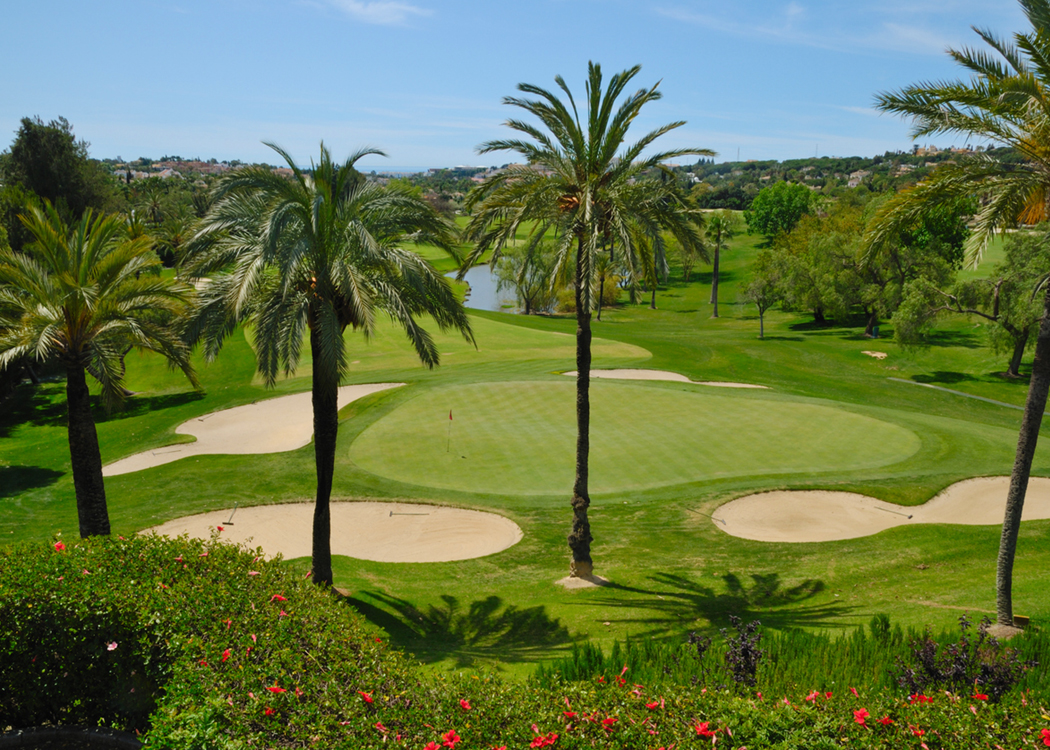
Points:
(818, 516)
(628, 374)
(383, 532)
(271, 426)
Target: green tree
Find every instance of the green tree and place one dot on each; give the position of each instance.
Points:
(49, 161)
(766, 286)
(582, 181)
(1005, 100)
(318, 253)
(1008, 297)
(528, 270)
(86, 294)
(778, 208)
(721, 227)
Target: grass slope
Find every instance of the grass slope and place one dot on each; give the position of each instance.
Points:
(689, 450)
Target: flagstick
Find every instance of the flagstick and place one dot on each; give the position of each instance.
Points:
(448, 442)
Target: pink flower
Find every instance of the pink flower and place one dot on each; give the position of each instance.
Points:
(381, 727)
(276, 689)
(812, 697)
(277, 598)
(464, 704)
(854, 691)
(225, 655)
(253, 572)
(59, 547)
(544, 740)
(111, 646)
(450, 738)
(228, 623)
(860, 715)
(365, 696)
(1045, 734)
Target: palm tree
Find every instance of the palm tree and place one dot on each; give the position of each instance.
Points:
(720, 229)
(582, 182)
(86, 294)
(1006, 101)
(318, 253)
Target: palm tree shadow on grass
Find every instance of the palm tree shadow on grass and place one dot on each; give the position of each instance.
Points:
(674, 602)
(484, 629)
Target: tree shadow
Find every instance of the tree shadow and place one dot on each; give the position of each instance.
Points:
(674, 601)
(136, 406)
(14, 480)
(942, 376)
(32, 404)
(965, 339)
(774, 337)
(485, 629)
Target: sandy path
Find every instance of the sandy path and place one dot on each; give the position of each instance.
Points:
(818, 516)
(384, 532)
(629, 374)
(271, 426)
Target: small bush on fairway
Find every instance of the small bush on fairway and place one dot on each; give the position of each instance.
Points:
(222, 649)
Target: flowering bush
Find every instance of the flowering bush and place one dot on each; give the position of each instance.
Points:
(204, 645)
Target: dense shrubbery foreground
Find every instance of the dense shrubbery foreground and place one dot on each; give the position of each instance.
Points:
(203, 645)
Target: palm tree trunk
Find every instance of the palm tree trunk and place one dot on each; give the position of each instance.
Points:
(326, 428)
(85, 456)
(580, 538)
(652, 300)
(1034, 407)
(601, 293)
(714, 284)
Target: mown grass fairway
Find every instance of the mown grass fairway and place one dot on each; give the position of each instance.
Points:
(685, 448)
(518, 437)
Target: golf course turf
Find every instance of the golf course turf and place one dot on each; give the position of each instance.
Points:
(665, 454)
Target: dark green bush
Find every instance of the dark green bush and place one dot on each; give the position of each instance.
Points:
(222, 649)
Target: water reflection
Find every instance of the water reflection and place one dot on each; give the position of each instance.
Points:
(482, 294)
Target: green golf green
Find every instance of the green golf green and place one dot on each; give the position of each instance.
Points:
(518, 438)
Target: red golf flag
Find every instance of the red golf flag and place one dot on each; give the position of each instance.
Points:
(449, 415)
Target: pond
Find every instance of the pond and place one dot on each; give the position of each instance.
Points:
(482, 294)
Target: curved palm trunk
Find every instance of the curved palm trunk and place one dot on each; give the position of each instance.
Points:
(714, 284)
(1034, 407)
(85, 456)
(1020, 342)
(580, 538)
(326, 428)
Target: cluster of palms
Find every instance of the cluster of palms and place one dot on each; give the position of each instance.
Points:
(320, 252)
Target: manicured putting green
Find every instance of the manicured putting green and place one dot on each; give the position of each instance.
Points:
(519, 438)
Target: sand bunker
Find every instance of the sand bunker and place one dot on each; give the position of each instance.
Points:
(383, 532)
(820, 516)
(876, 355)
(628, 374)
(271, 426)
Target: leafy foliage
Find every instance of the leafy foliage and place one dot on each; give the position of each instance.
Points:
(778, 208)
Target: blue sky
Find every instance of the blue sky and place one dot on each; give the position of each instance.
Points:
(423, 79)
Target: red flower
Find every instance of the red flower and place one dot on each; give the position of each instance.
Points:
(812, 697)
(885, 721)
(919, 698)
(381, 727)
(432, 746)
(1045, 733)
(276, 689)
(980, 696)
(607, 723)
(652, 705)
(828, 695)
(569, 714)
(450, 738)
(916, 731)
(703, 730)
(219, 528)
(226, 654)
(544, 740)
(365, 696)
(860, 715)
(464, 704)
(277, 598)
(269, 712)
(854, 691)
(59, 547)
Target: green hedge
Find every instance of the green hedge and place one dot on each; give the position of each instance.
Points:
(204, 645)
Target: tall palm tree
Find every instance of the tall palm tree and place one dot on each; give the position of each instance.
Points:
(721, 227)
(85, 294)
(581, 181)
(1006, 101)
(317, 253)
